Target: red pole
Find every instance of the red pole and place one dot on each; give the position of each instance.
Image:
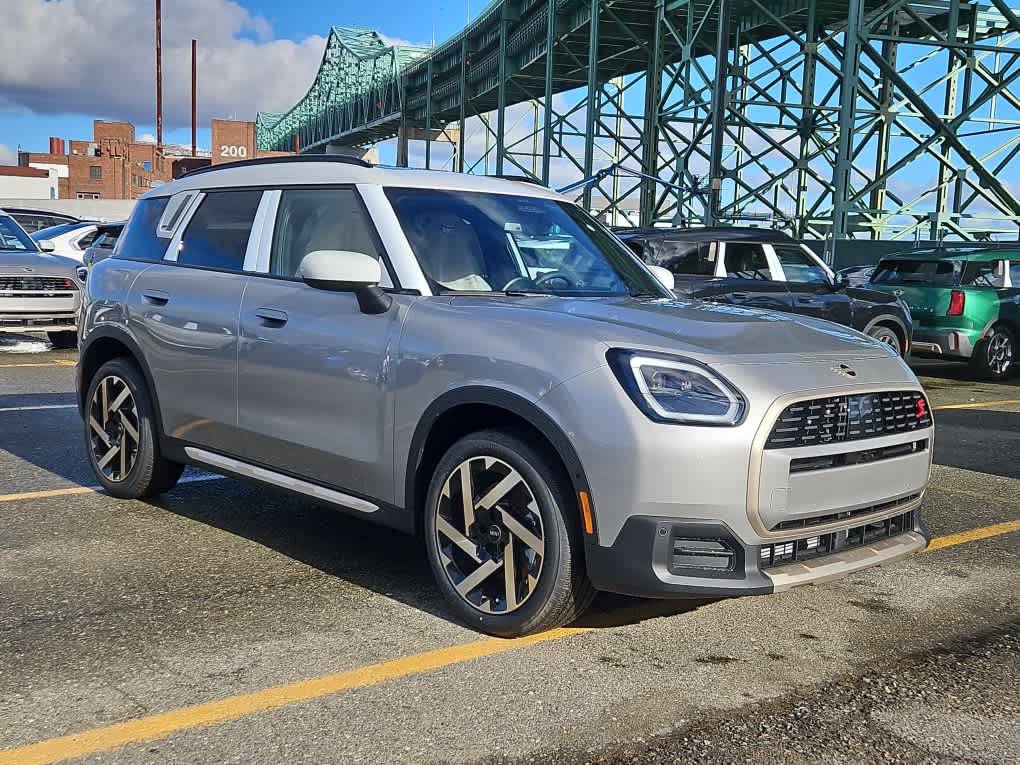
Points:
(194, 96)
(159, 76)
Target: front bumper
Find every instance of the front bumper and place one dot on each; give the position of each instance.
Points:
(943, 342)
(669, 557)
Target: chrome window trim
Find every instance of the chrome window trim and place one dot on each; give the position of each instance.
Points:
(405, 264)
(260, 241)
(174, 248)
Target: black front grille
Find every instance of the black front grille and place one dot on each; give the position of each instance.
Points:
(800, 550)
(849, 418)
(36, 284)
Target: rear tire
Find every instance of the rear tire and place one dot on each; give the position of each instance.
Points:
(63, 340)
(121, 435)
(995, 354)
(887, 335)
(519, 567)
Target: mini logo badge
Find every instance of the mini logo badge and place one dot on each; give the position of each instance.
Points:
(846, 370)
(26, 268)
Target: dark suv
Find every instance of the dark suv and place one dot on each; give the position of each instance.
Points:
(759, 268)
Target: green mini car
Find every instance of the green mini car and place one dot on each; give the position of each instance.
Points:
(964, 302)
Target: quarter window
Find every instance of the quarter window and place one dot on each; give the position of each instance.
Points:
(217, 235)
(138, 240)
(318, 219)
(745, 260)
(1014, 273)
(798, 266)
(984, 273)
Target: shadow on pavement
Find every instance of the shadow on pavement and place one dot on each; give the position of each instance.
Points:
(964, 438)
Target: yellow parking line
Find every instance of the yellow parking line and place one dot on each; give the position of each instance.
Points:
(977, 404)
(70, 491)
(974, 535)
(161, 725)
(58, 363)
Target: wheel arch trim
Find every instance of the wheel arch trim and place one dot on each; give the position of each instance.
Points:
(886, 318)
(500, 399)
(123, 337)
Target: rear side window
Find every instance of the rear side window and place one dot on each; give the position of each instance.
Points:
(218, 232)
(1014, 273)
(984, 273)
(746, 261)
(318, 219)
(943, 273)
(138, 241)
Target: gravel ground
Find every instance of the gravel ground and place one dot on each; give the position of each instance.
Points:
(907, 713)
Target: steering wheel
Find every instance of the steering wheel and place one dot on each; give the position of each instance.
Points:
(569, 280)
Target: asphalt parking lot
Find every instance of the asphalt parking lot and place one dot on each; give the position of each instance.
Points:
(228, 623)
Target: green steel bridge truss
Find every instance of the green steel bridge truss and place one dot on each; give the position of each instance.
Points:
(880, 119)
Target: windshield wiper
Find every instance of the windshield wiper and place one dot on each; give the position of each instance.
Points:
(643, 293)
(526, 293)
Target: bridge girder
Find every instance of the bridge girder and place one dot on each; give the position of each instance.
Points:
(825, 118)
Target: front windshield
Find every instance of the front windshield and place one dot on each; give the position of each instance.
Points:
(13, 237)
(481, 242)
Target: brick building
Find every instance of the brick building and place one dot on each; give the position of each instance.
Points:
(113, 165)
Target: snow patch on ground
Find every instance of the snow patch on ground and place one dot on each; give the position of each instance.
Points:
(23, 345)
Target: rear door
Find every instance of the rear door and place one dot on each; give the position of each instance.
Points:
(810, 284)
(184, 311)
(745, 278)
(313, 398)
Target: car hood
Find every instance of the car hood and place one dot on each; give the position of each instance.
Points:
(36, 263)
(703, 330)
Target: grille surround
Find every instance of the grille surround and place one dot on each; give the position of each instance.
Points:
(853, 417)
(46, 284)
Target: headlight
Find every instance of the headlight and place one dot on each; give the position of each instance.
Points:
(673, 389)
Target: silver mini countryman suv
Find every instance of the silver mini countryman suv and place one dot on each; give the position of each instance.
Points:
(481, 362)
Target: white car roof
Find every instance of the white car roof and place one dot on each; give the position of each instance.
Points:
(291, 171)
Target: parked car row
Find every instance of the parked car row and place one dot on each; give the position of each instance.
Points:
(39, 291)
(758, 268)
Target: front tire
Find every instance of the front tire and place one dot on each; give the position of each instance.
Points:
(887, 335)
(121, 435)
(509, 559)
(63, 340)
(994, 354)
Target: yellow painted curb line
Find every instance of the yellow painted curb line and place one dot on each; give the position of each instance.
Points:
(162, 725)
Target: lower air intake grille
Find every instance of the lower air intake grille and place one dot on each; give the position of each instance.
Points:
(849, 418)
(781, 553)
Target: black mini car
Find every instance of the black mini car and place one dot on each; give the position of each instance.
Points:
(759, 268)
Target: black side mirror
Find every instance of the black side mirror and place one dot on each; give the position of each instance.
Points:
(840, 282)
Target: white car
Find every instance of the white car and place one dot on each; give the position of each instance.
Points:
(69, 240)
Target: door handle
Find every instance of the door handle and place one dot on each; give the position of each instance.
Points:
(809, 301)
(740, 295)
(271, 317)
(156, 297)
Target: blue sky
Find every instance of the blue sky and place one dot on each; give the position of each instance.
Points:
(43, 95)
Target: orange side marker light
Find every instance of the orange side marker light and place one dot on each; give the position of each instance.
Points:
(589, 526)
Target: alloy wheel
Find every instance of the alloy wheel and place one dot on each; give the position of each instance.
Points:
(1000, 353)
(113, 428)
(489, 535)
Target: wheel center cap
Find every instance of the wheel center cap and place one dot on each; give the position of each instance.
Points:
(495, 534)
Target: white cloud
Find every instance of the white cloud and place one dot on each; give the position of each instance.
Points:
(146, 138)
(7, 157)
(241, 69)
(398, 41)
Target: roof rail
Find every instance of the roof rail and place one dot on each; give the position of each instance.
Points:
(342, 159)
(520, 178)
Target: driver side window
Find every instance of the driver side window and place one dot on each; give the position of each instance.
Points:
(318, 219)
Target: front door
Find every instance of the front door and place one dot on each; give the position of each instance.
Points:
(313, 370)
(184, 315)
(810, 286)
